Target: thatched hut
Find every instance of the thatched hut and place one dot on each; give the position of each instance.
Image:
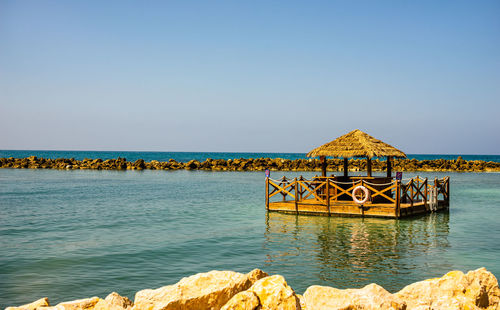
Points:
(356, 144)
(357, 195)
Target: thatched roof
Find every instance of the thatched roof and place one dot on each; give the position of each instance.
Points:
(356, 144)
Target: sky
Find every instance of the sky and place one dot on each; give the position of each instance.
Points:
(249, 76)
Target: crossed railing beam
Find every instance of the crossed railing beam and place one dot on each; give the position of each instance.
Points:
(300, 189)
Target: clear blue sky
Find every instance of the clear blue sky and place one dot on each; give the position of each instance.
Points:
(265, 76)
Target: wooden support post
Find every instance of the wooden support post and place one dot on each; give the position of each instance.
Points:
(398, 199)
(436, 188)
(323, 165)
(267, 193)
(283, 184)
(296, 196)
(328, 196)
(346, 170)
(411, 192)
(389, 166)
(368, 166)
(425, 195)
(300, 189)
(361, 206)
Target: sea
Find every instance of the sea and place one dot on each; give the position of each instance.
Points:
(71, 234)
(201, 156)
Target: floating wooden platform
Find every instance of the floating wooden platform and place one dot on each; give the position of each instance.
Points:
(332, 197)
(349, 208)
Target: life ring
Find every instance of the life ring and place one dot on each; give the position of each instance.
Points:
(365, 194)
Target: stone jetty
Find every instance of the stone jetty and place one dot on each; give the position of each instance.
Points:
(256, 290)
(250, 164)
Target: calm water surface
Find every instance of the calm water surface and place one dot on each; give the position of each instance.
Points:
(74, 234)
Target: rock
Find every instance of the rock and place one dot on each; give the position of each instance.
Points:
(115, 299)
(114, 302)
(42, 302)
(139, 164)
(192, 164)
(369, 297)
(104, 305)
(255, 275)
(458, 164)
(209, 290)
(477, 289)
(246, 300)
(274, 293)
(80, 304)
(490, 284)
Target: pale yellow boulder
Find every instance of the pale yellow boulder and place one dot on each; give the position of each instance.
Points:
(42, 302)
(489, 285)
(114, 302)
(477, 289)
(255, 275)
(209, 290)
(370, 297)
(80, 304)
(121, 301)
(245, 300)
(274, 293)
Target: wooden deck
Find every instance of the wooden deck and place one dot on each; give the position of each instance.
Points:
(331, 197)
(349, 208)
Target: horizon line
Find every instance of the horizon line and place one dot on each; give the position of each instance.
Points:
(221, 152)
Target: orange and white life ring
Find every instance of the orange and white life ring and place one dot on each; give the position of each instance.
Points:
(361, 191)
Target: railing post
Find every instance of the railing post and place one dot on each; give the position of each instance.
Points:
(328, 195)
(301, 192)
(282, 184)
(436, 186)
(398, 199)
(412, 196)
(267, 193)
(425, 195)
(296, 196)
(411, 191)
(361, 206)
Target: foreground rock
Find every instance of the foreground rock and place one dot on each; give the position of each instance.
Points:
(246, 300)
(274, 293)
(114, 302)
(42, 302)
(268, 293)
(228, 290)
(80, 304)
(209, 290)
(477, 289)
(370, 297)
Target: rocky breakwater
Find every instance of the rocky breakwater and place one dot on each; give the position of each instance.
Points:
(228, 290)
(250, 164)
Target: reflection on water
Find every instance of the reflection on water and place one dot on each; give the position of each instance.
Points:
(352, 252)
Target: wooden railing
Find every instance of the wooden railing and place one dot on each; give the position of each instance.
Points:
(418, 189)
(325, 190)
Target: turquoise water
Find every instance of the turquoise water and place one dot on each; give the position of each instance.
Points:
(201, 156)
(74, 234)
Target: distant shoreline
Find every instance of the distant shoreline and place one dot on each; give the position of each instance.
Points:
(249, 164)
